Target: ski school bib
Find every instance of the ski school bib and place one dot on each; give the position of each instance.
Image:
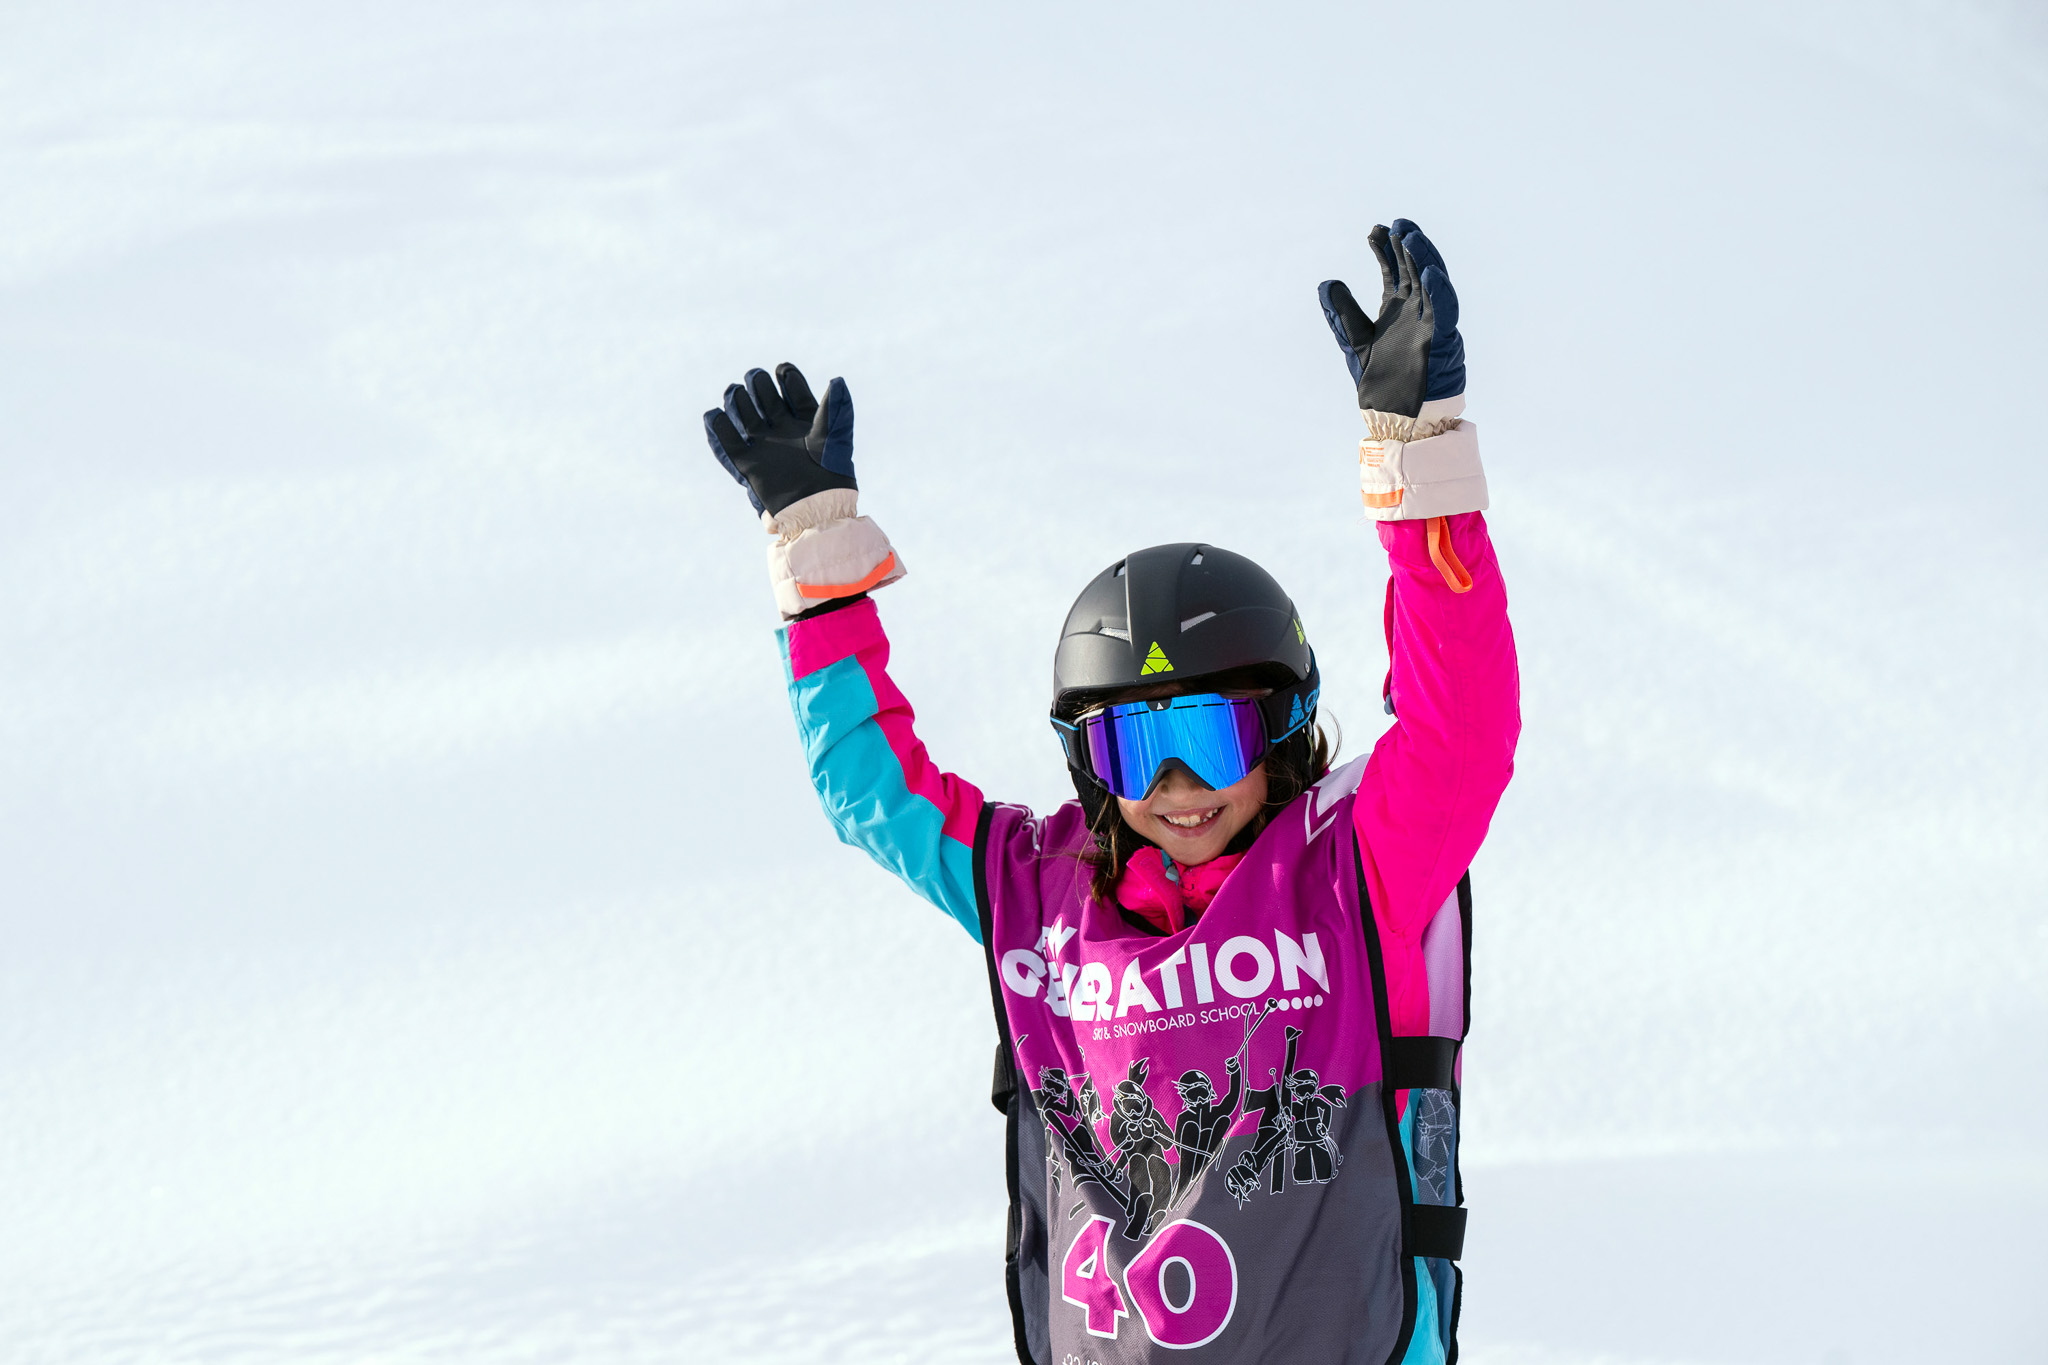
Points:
(1204, 1151)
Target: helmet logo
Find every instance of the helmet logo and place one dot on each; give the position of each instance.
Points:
(1300, 634)
(1155, 662)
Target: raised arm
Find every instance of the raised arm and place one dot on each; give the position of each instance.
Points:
(794, 456)
(882, 791)
(1435, 777)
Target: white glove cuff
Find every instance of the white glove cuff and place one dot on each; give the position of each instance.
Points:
(822, 550)
(1414, 468)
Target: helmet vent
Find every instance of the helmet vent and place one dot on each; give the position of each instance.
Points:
(1114, 633)
(1196, 560)
(1194, 621)
(1120, 570)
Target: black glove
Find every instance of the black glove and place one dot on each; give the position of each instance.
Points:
(783, 447)
(1413, 352)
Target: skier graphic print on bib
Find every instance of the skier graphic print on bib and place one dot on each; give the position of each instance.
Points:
(1293, 1133)
(1138, 1179)
(1217, 1166)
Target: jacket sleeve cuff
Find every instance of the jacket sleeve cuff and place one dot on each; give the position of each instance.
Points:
(1416, 468)
(818, 642)
(821, 551)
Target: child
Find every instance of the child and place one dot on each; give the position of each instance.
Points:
(1186, 1170)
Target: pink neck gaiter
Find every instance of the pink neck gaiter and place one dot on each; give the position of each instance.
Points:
(1164, 893)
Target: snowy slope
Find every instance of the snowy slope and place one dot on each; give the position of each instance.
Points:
(421, 943)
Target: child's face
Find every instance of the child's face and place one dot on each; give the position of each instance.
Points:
(1194, 823)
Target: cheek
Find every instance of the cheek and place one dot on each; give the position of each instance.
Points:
(1132, 811)
(1250, 794)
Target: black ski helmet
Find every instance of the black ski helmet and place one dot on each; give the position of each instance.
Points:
(1182, 613)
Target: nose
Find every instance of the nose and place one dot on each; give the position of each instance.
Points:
(1177, 781)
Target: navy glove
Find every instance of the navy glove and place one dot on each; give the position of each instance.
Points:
(783, 446)
(1412, 354)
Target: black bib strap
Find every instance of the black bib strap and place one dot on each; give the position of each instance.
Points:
(1004, 1085)
(1436, 1230)
(1423, 1063)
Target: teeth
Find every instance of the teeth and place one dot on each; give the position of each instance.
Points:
(1188, 821)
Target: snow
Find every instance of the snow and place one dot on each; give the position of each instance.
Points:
(420, 942)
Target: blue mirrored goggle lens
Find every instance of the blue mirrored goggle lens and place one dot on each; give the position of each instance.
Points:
(1219, 738)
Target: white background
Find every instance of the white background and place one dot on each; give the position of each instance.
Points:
(420, 941)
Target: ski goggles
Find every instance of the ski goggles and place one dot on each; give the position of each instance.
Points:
(1128, 747)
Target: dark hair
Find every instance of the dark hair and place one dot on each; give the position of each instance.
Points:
(1292, 766)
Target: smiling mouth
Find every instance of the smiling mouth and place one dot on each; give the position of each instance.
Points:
(1191, 822)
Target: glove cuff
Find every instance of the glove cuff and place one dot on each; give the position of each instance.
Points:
(1435, 418)
(1414, 468)
(819, 509)
(823, 551)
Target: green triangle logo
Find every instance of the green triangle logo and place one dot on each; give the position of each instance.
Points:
(1155, 662)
